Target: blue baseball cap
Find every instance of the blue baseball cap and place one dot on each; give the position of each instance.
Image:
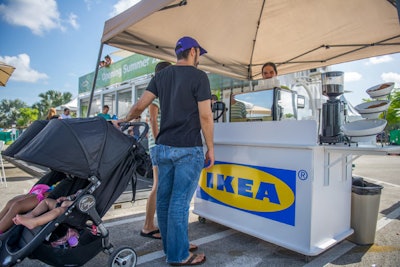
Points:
(187, 42)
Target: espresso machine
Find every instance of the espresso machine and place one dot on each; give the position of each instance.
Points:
(333, 109)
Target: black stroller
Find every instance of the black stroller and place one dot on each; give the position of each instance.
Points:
(87, 154)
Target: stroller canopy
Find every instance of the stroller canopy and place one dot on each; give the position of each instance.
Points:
(80, 147)
(25, 138)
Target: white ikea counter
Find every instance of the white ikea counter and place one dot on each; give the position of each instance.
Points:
(272, 180)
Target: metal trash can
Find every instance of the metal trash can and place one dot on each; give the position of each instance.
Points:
(365, 198)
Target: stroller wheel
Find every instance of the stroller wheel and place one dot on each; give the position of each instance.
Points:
(124, 256)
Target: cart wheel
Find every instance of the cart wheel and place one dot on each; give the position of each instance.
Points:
(202, 219)
(124, 256)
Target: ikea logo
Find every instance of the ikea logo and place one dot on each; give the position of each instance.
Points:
(262, 191)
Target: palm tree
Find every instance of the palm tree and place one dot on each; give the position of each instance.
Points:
(50, 99)
(9, 111)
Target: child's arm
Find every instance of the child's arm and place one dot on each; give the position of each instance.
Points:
(69, 198)
(62, 199)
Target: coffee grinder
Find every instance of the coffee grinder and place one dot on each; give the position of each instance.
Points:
(333, 109)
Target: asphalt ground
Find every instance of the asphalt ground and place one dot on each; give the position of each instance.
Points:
(227, 247)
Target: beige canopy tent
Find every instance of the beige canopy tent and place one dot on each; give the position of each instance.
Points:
(5, 73)
(240, 36)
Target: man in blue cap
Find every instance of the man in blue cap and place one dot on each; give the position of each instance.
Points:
(185, 98)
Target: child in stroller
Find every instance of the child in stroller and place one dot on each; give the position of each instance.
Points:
(98, 159)
(24, 203)
(46, 211)
(21, 204)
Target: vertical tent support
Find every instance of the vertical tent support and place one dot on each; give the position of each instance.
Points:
(398, 8)
(94, 79)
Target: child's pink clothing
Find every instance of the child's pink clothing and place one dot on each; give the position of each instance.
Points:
(39, 190)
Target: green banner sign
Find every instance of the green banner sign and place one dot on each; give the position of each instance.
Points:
(139, 65)
(120, 71)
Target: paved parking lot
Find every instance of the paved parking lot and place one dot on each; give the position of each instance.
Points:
(227, 247)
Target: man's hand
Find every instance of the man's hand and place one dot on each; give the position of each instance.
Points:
(209, 160)
(117, 122)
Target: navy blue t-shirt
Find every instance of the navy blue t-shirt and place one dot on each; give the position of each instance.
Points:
(179, 89)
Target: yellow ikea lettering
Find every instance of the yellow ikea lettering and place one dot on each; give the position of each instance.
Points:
(246, 188)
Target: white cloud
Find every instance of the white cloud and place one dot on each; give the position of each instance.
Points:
(72, 20)
(122, 5)
(391, 77)
(379, 60)
(88, 4)
(352, 76)
(39, 16)
(23, 72)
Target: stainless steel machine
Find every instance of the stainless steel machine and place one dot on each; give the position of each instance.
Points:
(333, 109)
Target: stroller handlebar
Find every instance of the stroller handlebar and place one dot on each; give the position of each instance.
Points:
(125, 125)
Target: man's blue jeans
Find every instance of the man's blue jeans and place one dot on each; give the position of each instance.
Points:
(178, 174)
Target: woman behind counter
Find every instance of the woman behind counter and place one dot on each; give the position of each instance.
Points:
(269, 70)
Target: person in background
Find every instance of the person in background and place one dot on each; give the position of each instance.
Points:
(108, 61)
(185, 99)
(214, 98)
(269, 70)
(52, 114)
(66, 114)
(149, 228)
(104, 113)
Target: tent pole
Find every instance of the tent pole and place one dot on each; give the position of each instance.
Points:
(398, 9)
(94, 80)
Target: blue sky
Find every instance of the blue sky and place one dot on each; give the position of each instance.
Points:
(52, 43)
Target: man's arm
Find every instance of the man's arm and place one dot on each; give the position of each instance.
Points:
(207, 127)
(137, 108)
